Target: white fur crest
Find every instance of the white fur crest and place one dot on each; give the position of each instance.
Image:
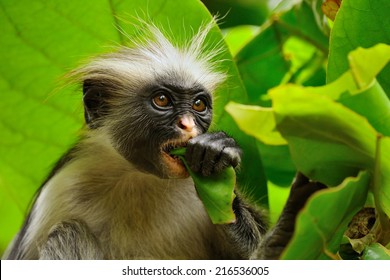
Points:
(155, 56)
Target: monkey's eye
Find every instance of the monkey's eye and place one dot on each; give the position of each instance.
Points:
(199, 105)
(162, 101)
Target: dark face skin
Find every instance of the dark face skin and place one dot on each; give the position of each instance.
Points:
(159, 114)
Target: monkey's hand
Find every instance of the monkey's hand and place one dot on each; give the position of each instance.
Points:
(211, 153)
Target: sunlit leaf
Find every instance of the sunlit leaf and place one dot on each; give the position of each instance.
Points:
(236, 38)
(256, 121)
(259, 122)
(366, 64)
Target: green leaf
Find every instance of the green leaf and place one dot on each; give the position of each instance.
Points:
(324, 219)
(236, 38)
(359, 23)
(216, 191)
(376, 251)
(259, 122)
(256, 121)
(328, 142)
(254, 62)
(366, 64)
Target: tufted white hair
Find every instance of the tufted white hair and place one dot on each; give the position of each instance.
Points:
(154, 55)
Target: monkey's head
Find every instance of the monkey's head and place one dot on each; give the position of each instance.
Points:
(152, 98)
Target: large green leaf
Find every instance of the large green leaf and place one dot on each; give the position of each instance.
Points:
(256, 121)
(322, 223)
(39, 119)
(259, 122)
(359, 23)
(328, 142)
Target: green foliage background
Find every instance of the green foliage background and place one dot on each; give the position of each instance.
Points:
(282, 55)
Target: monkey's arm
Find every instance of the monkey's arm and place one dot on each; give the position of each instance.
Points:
(71, 240)
(245, 234)
(277, 239)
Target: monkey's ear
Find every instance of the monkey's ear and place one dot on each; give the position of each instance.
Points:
(95, 106)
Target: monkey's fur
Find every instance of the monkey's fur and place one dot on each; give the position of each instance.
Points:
(119, 195)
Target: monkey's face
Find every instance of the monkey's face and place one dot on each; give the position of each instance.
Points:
(161, 117)
(153, 96)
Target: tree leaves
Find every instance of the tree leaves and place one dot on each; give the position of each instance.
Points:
(338, 133)
(330, 141)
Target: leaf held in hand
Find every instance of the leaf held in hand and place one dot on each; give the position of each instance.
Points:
(216, 191)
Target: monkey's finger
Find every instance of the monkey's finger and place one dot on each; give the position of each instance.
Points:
(212, 155)
(229, 157)
(195, 154)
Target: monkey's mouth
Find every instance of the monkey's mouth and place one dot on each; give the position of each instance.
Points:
(173, 165)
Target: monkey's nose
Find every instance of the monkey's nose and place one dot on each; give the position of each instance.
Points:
(186, 123)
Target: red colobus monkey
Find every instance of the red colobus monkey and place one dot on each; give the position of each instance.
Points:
(119, 194)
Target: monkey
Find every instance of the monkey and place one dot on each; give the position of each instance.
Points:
(119, 194)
